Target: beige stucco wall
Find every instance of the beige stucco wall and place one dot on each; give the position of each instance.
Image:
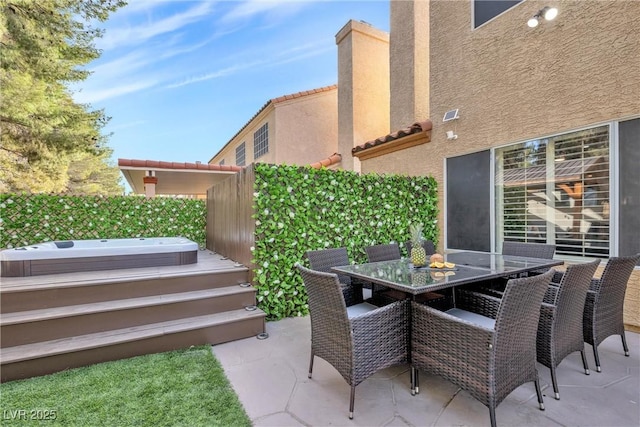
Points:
(632, 302)
(363, 87)
(307, 128)
(302, 130)
(409, 62)
(513, 83)
(228, 152)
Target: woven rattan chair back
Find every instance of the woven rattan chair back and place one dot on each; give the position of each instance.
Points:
(487, 363)
(385, 252)
(428, 246)
(517, 319)
(604, 305)
(357, 346)
(324, 259)
(560, 325)
(532, 250)
(330, 327)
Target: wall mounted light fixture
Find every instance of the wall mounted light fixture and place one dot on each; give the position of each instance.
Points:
(548, 13)
(451, 135)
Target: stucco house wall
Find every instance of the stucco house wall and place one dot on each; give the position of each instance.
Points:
(363, 81)
(302, 129)
(306, 129)
(513, 83)
(228, 152)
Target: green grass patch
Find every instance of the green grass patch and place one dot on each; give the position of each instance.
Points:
(179, 388)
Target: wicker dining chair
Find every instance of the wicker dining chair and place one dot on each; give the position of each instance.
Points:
(523, 249)
(324, 259)
(488, 358)
(359, 340)
(428, 246)
(384, 252)
(560, 325)
(603, 307)
(530, 250)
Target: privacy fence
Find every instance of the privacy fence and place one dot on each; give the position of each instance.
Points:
(27, 219)
(268, 216)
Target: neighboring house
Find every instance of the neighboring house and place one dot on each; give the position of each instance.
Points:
(300, 128)
(324, 123)
(152, 177)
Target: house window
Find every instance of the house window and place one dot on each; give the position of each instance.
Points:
(556, 190)
(486, 10)
(261, 141)
(240, 155)
(221, 163)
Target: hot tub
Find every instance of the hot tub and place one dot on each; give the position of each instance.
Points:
(90, 255)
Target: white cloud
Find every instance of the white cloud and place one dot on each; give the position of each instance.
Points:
(95, 95)
(141, 31)
(274, 10)
(282, 57)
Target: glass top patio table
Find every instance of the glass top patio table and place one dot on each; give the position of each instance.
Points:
(470, 267)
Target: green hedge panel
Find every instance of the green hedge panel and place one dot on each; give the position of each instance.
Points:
(300, 209)
(27, 219)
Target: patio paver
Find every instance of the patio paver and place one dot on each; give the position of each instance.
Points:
(270, 378)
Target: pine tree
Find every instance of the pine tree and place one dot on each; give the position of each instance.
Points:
(43, 45)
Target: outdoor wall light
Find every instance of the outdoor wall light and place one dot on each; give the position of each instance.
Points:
(451, 135)
(548, 13)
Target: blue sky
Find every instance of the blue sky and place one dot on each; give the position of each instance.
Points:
(179, 78)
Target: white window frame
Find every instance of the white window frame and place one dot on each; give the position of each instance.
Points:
(261, 141)
(613, 185)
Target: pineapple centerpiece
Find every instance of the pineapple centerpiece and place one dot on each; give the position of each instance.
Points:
(418, 254)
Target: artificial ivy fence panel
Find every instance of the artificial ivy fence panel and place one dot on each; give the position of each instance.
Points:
(27, 219)
(299, 209)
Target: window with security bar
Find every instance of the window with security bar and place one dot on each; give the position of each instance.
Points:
(261, 141)
(556, 190)
(240, 155)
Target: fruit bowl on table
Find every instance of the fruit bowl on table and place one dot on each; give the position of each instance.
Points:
(445, 266)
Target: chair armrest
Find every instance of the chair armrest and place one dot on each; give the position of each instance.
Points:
(551, 294)
(381, 336)
(438, 341)
(547, 312)
(595, 285)
(478, 302)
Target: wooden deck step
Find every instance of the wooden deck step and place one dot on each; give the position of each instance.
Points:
(31, 326)
(55, 355)
(27, 295)
(98, 307)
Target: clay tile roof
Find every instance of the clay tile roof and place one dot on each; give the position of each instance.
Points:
(331, 160)
(155, 164)
(295, 95)
(413, 129)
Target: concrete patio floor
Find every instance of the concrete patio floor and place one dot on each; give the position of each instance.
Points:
(270, 377)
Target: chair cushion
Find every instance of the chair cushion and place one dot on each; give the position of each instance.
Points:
(358, 309)
(478, 319)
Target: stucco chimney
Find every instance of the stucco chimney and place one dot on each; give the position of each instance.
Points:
(409, 59)
(363, 87)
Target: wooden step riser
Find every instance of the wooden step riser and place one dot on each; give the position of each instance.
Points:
(95, 292)
(210, 335)
(31, 332)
